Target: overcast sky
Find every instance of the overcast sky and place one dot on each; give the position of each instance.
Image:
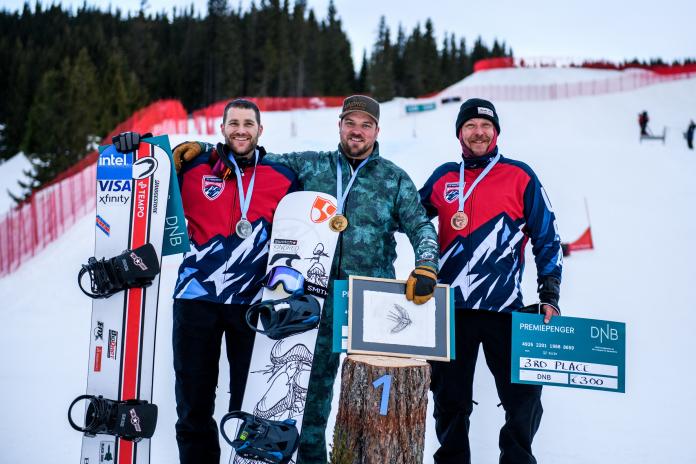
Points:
(568, 29)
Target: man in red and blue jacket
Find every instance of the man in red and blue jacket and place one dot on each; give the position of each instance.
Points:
(222, 274)
(488, 207)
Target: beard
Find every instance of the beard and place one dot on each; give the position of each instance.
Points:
(356, 152)
(246, 151)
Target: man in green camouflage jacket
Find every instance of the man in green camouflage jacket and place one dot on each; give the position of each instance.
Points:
(380, 201)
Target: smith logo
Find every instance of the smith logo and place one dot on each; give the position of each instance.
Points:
(212, 187)
(451, 191)
(114, 185)
(113, 343)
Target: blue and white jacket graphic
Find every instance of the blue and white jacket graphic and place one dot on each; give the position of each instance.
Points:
(485, 260)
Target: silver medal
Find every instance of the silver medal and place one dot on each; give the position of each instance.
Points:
(243, 228)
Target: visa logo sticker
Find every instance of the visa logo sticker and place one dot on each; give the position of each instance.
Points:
(114, 165)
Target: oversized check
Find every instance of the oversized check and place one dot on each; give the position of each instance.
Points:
(568, 352)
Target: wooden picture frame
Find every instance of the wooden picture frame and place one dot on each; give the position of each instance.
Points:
(381, 321)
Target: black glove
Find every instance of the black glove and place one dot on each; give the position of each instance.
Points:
(127, 142)
(549, 289)
(421, 285)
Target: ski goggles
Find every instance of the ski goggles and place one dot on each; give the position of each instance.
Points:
(291, 279)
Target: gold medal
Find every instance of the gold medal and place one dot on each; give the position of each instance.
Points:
(338, 223)
(459, 220)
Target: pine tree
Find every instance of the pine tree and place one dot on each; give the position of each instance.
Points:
(381, 71)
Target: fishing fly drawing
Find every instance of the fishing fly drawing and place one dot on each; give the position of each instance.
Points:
(400, 317)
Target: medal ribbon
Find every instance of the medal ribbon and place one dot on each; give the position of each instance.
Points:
(245, 199)
(341, 197)
(462, 197)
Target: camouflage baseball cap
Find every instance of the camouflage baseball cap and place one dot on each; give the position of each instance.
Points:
(361, 103)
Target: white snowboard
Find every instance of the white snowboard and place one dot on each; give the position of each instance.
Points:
(276, 388)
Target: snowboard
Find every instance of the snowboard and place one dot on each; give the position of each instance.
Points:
(276, 387)
(132, 203)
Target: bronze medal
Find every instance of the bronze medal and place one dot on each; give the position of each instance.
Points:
(459, 220)
(338, 223)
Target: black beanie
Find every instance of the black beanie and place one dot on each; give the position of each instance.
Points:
(476, 108)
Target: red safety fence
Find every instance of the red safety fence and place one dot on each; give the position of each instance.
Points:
(622, 83)
(41, 219)
(208, 119)
(511, 62)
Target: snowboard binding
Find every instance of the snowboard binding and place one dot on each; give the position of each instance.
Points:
(130, 420)
(286, 317)
(132, 268)
(264, 440)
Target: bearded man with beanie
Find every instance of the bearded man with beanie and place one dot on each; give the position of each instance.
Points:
(488, 207)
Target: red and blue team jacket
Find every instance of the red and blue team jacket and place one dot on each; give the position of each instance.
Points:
(221, 266)
(485, 260)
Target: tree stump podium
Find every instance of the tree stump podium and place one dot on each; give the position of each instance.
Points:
(372, 428)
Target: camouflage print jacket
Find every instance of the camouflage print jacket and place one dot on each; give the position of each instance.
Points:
(383, 200)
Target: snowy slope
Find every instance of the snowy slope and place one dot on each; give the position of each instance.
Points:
(641, 204)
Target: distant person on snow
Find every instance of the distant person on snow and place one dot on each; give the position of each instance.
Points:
(689, 135)
(488, 207)
(643, 120)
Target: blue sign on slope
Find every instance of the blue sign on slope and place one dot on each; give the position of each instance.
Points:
(568, 352)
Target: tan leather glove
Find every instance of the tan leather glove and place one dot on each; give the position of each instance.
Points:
(421, 284)
(185, 152)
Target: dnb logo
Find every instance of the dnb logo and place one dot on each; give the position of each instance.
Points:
(451, 191)
(322, 209)
(212, 187)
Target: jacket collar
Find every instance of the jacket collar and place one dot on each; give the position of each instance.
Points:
(480, 161)
(373, 155)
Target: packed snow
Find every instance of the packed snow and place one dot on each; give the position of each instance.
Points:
(640, 198)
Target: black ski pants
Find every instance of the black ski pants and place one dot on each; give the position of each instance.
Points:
(197, 338)
(452, 386)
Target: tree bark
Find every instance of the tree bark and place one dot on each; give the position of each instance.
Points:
(364, 436)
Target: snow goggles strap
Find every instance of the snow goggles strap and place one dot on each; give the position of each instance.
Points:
(291, 279)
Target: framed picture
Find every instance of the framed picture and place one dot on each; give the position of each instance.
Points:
(382, 321)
